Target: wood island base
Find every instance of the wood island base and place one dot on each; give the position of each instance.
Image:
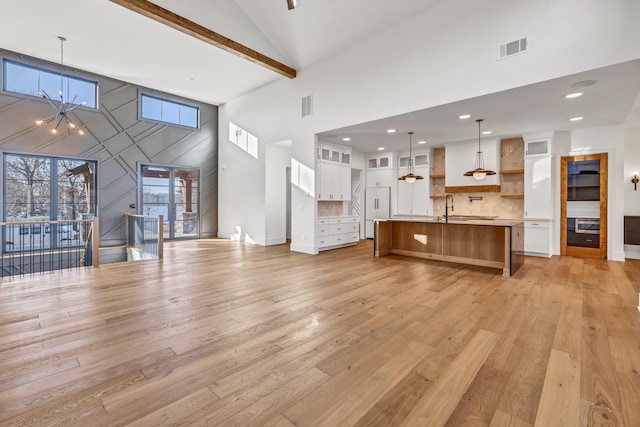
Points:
(495, 244)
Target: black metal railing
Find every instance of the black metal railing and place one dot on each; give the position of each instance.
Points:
(145, 238)
(30, 247)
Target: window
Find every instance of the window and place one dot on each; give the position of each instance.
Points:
(30, 80)
(40, 188)
(47, 188)
(165, 111)
(243, 139)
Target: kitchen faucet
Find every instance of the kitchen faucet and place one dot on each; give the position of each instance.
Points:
(446, 207)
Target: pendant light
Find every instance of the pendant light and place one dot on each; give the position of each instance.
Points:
(479, 172)
(410, 177)
(62, 107)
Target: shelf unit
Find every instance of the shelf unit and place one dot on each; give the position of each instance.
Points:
(437, 175)
(512, 169)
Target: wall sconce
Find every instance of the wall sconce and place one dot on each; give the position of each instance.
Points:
(635, 180)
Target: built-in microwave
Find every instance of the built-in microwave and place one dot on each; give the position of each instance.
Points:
(587, 225)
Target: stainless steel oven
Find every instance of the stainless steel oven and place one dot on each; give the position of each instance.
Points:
(587, 226)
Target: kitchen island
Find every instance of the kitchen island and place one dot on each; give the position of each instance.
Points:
(487, 243)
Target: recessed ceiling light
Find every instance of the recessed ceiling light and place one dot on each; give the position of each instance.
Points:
(584, 83)
(380, 148)
(346, 139)
(575, 119)
(422, 142)
(487, 132)
(573, 95)
(391, 130)
(464, 116)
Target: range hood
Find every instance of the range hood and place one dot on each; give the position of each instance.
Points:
(460, 157)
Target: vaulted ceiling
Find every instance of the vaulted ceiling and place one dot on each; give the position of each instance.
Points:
(108, 39)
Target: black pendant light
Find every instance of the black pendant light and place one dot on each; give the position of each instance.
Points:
(479, 172)
(410, 177)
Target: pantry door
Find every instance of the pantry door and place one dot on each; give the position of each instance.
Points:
(583, 208)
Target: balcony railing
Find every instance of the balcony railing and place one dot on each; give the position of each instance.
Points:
(145, 236)
(30, 247)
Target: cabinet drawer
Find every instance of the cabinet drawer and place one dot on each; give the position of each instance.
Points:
(339, 228)
(322, 230)
(343, 239)
(343, 220)
(324, 241)
(537, 224)
(322, 221)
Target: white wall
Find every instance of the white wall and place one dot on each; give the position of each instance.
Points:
(277, 159)
(241, 188)
(444, 55)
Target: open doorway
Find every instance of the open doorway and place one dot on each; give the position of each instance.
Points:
(583, 208)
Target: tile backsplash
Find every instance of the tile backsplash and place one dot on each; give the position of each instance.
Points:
(331, 208)
(490, 205)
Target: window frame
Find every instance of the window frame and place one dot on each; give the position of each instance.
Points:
(40, 66)
(3, 205)
(163, 98)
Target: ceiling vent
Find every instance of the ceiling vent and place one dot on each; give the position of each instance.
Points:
(307, 105)
(513, 48)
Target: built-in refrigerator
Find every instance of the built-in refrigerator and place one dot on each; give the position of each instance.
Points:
(377, 206)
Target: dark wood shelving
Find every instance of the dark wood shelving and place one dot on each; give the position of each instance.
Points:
(511, 171)
(437, 197)
(436, 175)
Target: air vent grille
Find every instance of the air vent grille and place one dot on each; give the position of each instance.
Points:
(513, 48)
(307, 105)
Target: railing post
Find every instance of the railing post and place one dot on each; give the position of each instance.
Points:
(95, 241)
(160, 236)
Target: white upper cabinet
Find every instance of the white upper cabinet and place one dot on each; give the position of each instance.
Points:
(381, 161)
(413, 198)
(537, 187)
(333, 172)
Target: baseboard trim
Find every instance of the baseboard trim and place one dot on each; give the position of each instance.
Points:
(305, 249)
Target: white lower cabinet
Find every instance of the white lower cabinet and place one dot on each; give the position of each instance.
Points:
(334, 232)
(537, 238)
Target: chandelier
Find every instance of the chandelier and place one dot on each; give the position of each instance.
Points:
(62, 107)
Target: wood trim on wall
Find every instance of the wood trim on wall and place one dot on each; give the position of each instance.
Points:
(473, 189)
(180, 23)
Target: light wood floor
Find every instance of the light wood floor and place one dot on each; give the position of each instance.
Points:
(222, 333)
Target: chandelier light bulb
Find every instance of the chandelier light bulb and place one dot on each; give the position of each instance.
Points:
(39, 122)
(479, 176)
(410, 179)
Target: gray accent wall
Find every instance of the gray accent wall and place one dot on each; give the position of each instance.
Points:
(120, 142)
